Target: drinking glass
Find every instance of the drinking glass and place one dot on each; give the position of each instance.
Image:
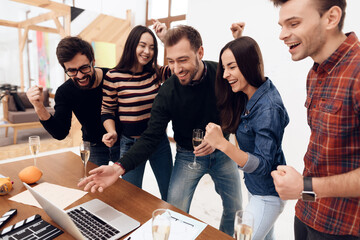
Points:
(84, 154)
(34, 145)
(244, 224)
(161, 224)
(197, 137)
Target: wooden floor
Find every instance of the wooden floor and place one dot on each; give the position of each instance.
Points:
(22, 149)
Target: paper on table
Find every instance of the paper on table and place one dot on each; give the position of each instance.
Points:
(59, 195)
(182, 228)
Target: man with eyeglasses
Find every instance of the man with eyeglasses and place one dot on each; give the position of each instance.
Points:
(81, 94)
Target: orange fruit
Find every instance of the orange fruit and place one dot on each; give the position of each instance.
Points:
(30, 174)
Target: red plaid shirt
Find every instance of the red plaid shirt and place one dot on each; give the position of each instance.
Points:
(333, 106)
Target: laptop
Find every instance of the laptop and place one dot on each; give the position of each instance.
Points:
(91, 220)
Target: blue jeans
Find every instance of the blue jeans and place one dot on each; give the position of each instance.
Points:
(224, 173)
(101, 154)
(266, 209)
(160, 162)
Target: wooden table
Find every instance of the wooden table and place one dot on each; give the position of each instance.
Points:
(65, 169)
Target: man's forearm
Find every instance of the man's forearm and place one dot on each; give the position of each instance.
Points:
(342, 185)
(42, 113)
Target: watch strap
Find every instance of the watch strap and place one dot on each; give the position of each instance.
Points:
(308, 184)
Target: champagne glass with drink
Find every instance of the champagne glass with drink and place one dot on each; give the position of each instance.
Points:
(34, 145)
(197, 137)
(84, 154)
(161, 224)
(244, 224)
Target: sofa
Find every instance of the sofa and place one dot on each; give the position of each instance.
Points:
(19, 112)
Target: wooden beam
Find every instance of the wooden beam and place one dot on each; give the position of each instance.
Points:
(23, 39)
(34, 2)
(43, 29)
(58, 25)
(38, 19)
(7, 23)
(21, 59)
(147, 12)
(54, 6)
(168, 20)
(169, 10)
(67, 24)
(128, 16)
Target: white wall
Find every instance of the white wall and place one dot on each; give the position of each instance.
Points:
(261, 19)
(9, 58)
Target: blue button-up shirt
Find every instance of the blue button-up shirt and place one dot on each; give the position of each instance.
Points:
(260, 134)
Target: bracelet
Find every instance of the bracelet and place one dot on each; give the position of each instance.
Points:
(120, 165)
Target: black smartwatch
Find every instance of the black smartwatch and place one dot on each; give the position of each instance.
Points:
(308, 195)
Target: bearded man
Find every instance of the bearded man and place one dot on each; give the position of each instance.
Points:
(81, 94)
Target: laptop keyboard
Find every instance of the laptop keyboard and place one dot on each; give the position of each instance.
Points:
(91, 226)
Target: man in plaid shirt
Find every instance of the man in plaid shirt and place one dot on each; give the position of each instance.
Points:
(329, 189)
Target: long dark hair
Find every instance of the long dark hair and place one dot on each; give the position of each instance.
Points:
(250, 63)
(129, 59)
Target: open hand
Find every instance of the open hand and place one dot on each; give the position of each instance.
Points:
(99, 179)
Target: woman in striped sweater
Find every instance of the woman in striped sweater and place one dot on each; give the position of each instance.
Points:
(129, 90)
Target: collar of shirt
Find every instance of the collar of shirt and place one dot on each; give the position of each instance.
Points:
(197, 82)
(329, 64)
(257, 95)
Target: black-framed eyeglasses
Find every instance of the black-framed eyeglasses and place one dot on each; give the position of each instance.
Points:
(72, 72)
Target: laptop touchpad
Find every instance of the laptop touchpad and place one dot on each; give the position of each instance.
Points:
(108, 214)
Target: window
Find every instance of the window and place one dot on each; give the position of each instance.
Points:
(178, 7)
(170, 12)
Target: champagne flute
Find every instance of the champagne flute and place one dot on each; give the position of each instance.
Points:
(244, 224)
(197, 137)
(161, 224)
(84, 154)
(34, 145)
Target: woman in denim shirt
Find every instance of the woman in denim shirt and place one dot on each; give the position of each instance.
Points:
(251, 107)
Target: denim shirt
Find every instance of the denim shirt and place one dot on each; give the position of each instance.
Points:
(260, 134)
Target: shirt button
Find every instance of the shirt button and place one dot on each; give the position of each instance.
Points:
(320, 82)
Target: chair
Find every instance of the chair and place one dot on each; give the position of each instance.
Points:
(19, 112)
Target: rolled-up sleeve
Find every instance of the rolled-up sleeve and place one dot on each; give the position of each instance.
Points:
(251, 165)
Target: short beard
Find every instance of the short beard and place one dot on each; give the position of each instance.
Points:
(92, 80)
(196, 70)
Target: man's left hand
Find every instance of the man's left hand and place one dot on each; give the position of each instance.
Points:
(203, 149)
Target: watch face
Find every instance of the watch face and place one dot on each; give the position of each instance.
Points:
(308, 196)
